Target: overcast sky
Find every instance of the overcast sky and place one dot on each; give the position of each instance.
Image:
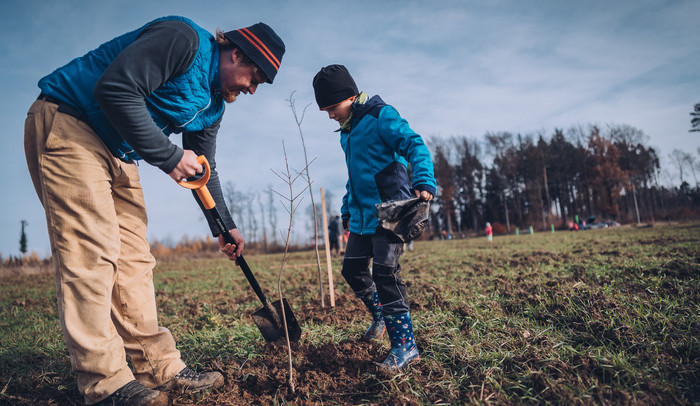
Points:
(449, 67)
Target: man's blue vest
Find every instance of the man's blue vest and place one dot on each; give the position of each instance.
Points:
(184, 103)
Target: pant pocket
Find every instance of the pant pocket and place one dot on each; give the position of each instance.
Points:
(55, 139)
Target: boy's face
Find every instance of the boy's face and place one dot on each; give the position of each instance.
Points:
(341, 111)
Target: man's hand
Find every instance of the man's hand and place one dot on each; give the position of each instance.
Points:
(187, 167)
(425, 195)
(232, 251)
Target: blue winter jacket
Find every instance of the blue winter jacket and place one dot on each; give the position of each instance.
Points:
(188, 102)
(377, 148)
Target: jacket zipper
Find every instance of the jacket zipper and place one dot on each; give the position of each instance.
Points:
(352, 190)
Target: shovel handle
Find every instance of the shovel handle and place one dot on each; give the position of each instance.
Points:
(199, 186)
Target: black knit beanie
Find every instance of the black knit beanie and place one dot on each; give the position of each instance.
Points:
(262, 45)
(332, 85)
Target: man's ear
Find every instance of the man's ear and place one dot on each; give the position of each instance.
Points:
(227, 57)
(236, 55)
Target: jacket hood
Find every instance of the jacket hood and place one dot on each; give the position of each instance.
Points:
(360, 110)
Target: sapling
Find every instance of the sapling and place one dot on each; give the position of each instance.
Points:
(299, 120)
(290, 203)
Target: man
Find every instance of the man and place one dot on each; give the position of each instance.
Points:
(94, 119)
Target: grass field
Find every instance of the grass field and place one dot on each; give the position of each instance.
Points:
(607, 316)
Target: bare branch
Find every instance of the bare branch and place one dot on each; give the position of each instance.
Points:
(278, 175)
(301, 192)
(280, 194)
(303, 112)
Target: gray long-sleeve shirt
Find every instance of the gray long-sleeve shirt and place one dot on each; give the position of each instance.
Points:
(164, 50)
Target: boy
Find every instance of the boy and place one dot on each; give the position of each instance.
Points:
(378, 144)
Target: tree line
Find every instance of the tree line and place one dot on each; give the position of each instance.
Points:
(513, 181)
(522, 181)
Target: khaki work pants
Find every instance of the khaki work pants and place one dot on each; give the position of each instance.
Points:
(96, 218)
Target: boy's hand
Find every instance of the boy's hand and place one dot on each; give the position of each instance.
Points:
(425, 195)
(346, 222)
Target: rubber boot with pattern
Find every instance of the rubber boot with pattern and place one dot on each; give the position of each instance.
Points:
(403, 343)
(376, 329)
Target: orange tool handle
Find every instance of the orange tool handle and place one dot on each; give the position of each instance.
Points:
(200, 185)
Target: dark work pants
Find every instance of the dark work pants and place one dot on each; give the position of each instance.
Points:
(384, 277)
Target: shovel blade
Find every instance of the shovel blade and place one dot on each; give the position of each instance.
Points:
(270, 330)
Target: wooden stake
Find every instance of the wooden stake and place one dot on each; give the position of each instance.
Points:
(328, 249)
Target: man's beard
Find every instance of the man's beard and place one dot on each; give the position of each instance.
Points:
(229, 95)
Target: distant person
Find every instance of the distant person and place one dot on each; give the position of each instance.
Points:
(489, 232)
(334, 231)
(409, 245)
(95, 118)
(378, 144)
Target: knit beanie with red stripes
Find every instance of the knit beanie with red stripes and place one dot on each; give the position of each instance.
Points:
(262, 45)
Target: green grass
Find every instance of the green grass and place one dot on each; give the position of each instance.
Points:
(601, 316)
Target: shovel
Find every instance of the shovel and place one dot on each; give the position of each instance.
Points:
(268, 318)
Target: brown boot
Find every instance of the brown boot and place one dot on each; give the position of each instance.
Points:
(135, 394)
(189, 379)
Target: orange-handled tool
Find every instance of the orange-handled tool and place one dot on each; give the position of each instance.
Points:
(200, 185)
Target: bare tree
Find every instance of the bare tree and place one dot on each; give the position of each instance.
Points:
(262, 222)
(311, 213)
(272, 215)
(498, 144)
(330, 209)
(299, 120)
(689, 160)
(677, 157)
(252, 216)
(445, 177)
(291, 205)
(233, 199)
(468, 177)
(626, 134)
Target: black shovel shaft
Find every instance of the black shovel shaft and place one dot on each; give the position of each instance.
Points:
(244, 266)
(241, 261)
